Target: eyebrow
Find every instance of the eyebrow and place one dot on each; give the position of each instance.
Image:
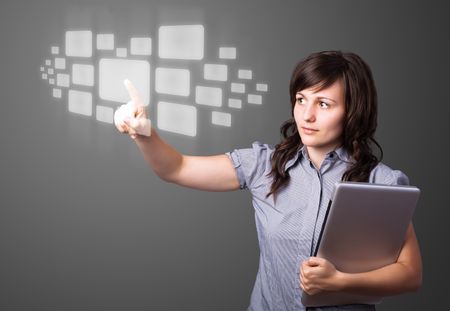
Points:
(321, 97)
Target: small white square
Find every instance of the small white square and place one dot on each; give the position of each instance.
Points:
(55, 49)
(141, 46)
(83, 74)
(172, 81)
(105, 41)
(60, 63)
(48, 62)
(50, 71)
(227, 53)
(244, 74)
(261, 87)
(104, 114)
(42, 69)
(44, 76)
(234, 103)
(221, 118)
(80, 102)
(254, 99)
(51, 81)
(57, 93)
(209, 96)
(237, 87)
(121, 52)
(63, 80)
(215, 72)
(79, 43)
(177, 118)
(181, 42)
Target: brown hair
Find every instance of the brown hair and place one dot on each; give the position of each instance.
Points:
(321, 70)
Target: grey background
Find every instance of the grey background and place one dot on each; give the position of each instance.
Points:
(85, 225)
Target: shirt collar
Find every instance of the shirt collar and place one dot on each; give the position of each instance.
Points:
(295, 158)
(341, 153)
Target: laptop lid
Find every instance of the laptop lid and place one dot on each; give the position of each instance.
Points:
(364, 229)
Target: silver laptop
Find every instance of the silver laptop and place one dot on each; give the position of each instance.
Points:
(364, 229)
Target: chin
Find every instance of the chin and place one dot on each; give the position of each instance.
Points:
(308, 142)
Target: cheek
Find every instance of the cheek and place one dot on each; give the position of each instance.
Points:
(336, 125)
(340, 125)
(296, 114)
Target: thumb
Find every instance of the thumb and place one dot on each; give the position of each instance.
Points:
(314, 261)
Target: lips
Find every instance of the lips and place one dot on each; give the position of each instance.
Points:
(307, 129)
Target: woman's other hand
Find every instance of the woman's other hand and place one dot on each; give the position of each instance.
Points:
(318, 274)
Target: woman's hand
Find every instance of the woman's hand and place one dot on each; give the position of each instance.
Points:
(318, 274)
(131, 118)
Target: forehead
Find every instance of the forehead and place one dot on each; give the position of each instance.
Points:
(335, 90)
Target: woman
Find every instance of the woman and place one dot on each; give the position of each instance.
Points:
(329, 138)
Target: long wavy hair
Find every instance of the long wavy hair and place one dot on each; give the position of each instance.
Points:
(321, 70)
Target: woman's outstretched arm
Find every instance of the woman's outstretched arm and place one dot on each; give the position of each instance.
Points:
(212, 173)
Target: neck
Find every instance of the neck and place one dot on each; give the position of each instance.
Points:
(317, 155)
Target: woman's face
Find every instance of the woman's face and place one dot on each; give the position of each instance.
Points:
(319, 116)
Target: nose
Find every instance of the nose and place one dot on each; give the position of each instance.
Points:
(309, 113)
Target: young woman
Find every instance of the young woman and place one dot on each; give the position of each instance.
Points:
(328, 139)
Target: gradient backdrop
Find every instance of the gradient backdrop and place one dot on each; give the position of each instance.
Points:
(85, 225)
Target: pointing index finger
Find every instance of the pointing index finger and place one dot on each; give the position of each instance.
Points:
(133, 92)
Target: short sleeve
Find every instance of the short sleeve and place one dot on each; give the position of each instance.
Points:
(399, 178)
(383, 174)
(251, 164)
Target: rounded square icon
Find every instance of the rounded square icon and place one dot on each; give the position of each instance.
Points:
(141, 46)
(83, 74)
(173, 81)
(79, 43)
(177, 118)
(105, 41)
(181, 42)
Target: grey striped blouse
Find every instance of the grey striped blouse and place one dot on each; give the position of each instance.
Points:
(288, 229)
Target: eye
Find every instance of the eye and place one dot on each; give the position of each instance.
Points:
(299, 100)
(324, 105)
